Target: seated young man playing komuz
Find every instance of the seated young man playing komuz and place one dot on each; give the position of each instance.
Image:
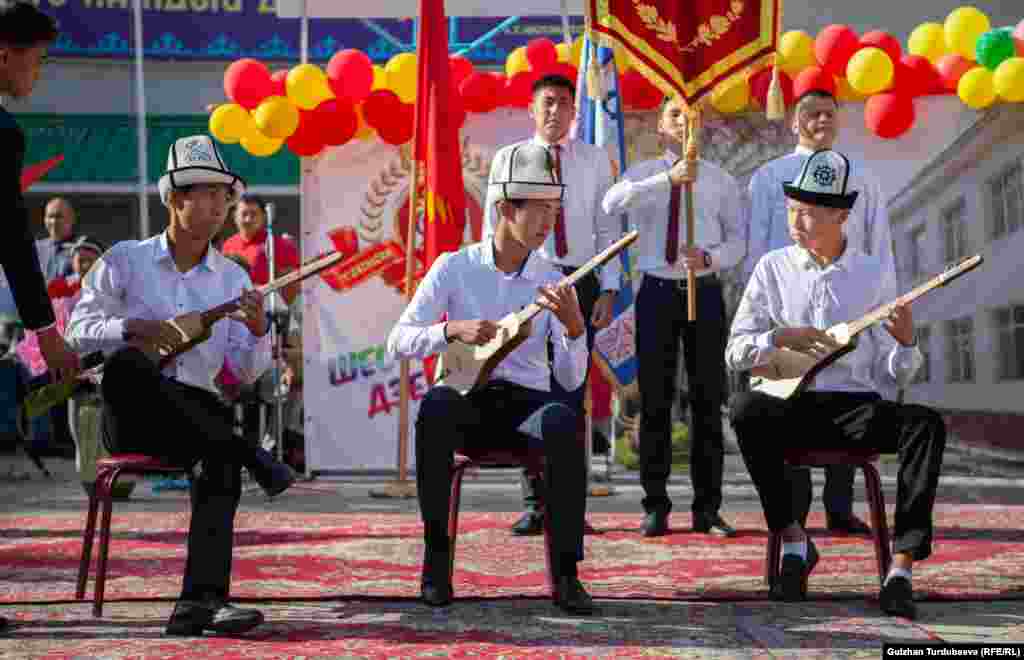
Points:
(474, 287)
(794, 294)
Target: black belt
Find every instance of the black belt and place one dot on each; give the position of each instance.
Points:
(681, 283)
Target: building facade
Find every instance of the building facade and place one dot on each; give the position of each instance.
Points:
(969, 200)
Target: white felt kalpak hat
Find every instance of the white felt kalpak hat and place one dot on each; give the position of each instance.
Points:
(195, 159)
(822, 181)
(525, 171)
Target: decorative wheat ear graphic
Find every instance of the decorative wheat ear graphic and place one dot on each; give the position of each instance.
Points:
(388, 180)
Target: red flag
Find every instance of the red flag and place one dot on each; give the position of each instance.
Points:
(687, 48)
(437, 138)
(33, 173)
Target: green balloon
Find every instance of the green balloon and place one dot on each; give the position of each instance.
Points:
(995, 46)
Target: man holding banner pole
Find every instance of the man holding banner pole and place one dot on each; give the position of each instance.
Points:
(581, 230)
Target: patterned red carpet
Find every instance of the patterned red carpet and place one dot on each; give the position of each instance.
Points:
(979, 553)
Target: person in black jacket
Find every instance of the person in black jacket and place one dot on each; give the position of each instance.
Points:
(25, 33)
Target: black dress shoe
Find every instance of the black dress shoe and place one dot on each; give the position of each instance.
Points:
(655, 524)
(571, 597)
(714, 525)
(897, 598)
(531, 523)
(848, 524)
(190, 618)
(435, 587)
(791, 585)
(273, 476)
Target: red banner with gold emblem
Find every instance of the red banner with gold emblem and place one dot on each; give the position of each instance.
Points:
(686, 47)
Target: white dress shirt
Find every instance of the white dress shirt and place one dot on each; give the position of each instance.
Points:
(587, 174)
(139, 279)
(466, 285)
(788, 288)
(867, 228)
(719, 219)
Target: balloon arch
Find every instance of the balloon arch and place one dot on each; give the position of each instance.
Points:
(308, 108)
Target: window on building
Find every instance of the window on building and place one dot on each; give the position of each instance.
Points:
(954, 228)
(1009, 322)
(924, 340)
(960, 350)
(1007, 195)
(917, 263)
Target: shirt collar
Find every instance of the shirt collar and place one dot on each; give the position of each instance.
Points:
(801, 150)
(527, 271)
(807, 261)
(259, 238)
(565, 142)
(162, 249)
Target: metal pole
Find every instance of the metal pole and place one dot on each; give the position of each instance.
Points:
(304, 35)
(275, 335)
(140, 123)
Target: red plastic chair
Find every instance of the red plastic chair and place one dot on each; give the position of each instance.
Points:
(107, 472)
(534, 464)
(876, 503)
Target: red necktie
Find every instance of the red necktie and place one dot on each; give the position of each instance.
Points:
(672, 240)
(561, 246)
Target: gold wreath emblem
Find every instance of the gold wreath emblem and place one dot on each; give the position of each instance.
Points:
(707, 33)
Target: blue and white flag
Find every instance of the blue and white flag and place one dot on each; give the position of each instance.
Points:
(600, 122)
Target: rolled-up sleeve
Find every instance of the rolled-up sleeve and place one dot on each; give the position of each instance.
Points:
(248, 355)
(418, 334)
(570, 364)
(751, 338)
(97, 323)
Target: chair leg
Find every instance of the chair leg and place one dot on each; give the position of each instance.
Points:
(453, 518)
(879, 524)
(104, 490)
(771, 562)
(87, 537)
(549, 560)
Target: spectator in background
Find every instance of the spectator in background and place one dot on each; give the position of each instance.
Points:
(55, 251)
(251, 241)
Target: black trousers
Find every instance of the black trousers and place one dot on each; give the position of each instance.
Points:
(765, 426)
(502, 415)
(148, 413)
(588, 290)
(661, 322)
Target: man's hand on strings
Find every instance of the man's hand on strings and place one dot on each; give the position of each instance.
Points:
(805, 340)
(251, 313)
(476, 332)
(900, 324)
(561, 301)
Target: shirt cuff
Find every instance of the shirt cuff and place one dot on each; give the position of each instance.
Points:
(572, 345)
(435, 334)
(114, 330)
(765, 345)
(906, 358)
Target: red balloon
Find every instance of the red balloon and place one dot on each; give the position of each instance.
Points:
(812, 78)
(950, 68)
(279, 83)
(350, 75)
(480, 91)
(761, 82)
(885, 41)
(889, 115)
(399, 127)
(461, 68)
(519, 89)
(501, 81)
(833, 48)
(336, 121)
(306, 140)
(541, 54)
(379, 106)
(565, 70)
(247, 82)
(915, 76)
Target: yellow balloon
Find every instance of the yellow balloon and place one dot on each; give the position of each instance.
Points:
(229, 122)
(516, 62)
(870, 71)
(260, 145)
(731, 95)
(1009, 80)
(364, 130)
(577, 51)
(307, 86)
(927, 40)
(564, 51)
(380, 78)
(401, 70)
(962, 28)
(977, 88)
(846, 92)
(276, 117)
(796, 50)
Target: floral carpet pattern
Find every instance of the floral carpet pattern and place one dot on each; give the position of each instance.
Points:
(978, 555)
